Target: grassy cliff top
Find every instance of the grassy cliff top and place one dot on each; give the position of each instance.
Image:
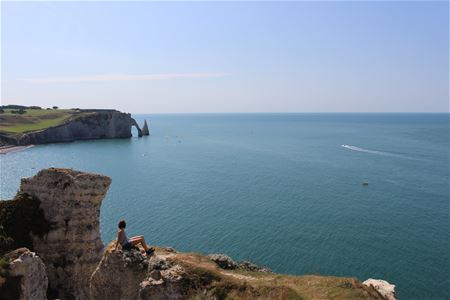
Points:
(27, 119)
(206, 278)
(12, 122)
(238, 284)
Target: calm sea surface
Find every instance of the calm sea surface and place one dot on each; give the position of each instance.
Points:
(280, 190)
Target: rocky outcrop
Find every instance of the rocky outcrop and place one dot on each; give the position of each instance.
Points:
(227, 263)
(28, 271)
(249, 266)
(383, 287)
(89, 124)
(145, 130)
(123, 275)
(169, 283)
(72, 247)
(223, 261)
(118, 275)
(175, 275)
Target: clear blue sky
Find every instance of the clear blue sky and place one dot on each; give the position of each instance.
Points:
(148, 57)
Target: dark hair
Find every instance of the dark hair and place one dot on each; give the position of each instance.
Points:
(122, 224)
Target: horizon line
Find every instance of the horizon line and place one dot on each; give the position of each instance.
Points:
(296, 112)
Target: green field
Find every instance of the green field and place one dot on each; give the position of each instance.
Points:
(33, 119)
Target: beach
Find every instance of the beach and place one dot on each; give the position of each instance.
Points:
(9, 149)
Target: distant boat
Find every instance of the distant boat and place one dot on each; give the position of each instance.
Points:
(365, 183)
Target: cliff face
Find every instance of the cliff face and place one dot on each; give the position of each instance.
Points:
(72, 247)
(95, 124)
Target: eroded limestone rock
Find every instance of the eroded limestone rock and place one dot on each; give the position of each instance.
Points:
(227, 263)
(386, 289)
(144, 129)
(169, 284)
(30, 271)
(223, 261)
(72, 247)
(249, 266)
(133, 275)
(118, 275)
(157, 263)
(135, 124)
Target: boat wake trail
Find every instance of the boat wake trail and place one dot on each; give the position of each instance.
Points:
(354, 148)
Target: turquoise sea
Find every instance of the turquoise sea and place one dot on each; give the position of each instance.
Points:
(280, 190)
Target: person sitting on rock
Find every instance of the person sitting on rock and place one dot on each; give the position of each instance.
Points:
(129, 243)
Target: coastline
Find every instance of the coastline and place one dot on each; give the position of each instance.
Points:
(77, 125)
(9, 149)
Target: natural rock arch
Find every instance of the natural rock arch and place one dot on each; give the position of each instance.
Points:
(135, 124)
